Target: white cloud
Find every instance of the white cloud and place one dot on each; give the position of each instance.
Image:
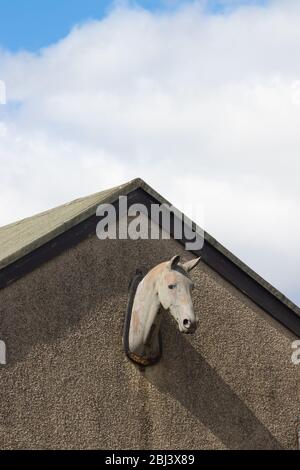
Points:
(204, 108)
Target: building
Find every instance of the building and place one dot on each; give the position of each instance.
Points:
(67, 382)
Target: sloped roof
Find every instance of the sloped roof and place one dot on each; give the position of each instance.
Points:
(23, 237)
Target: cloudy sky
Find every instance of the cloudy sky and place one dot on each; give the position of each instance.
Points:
(201, 99)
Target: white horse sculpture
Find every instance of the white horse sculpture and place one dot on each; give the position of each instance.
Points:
(167, 284)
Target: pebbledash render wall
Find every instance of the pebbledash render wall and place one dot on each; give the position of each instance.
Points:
(68, 384)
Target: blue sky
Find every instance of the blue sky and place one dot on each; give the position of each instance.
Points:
(33, 24)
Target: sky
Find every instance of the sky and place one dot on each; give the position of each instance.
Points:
(201, 99)
(31, 24)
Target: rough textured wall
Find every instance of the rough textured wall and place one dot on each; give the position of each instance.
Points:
(68, 384)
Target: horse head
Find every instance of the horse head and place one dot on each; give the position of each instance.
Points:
(167, 284)
(174, 289)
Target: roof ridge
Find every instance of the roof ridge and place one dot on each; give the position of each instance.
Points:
(15, 243)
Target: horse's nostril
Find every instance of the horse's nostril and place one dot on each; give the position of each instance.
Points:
(186, 323)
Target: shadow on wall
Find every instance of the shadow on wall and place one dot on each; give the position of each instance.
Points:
(185, 375)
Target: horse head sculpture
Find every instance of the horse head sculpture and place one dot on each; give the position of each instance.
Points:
(168, 285)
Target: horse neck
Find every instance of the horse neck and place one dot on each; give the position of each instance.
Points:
(151, 304)
(144, 313)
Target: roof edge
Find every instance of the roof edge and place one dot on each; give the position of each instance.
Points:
(123, 190)
(110, 198)
(228, 254)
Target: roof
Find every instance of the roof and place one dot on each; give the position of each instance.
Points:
(21, 238)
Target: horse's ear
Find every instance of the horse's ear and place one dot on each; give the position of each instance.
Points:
(189, 265)
(174, 261)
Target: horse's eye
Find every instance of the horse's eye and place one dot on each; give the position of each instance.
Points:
(172, 286)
